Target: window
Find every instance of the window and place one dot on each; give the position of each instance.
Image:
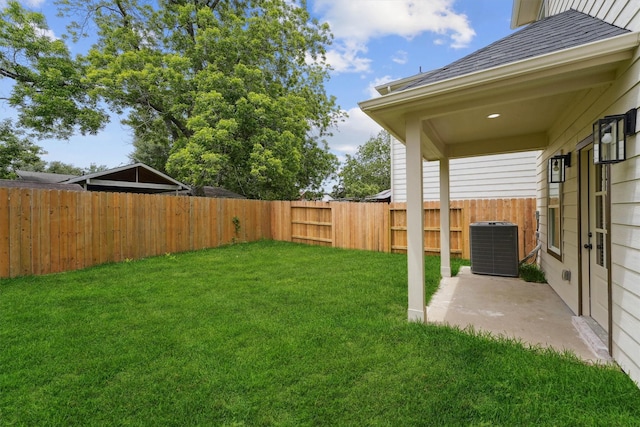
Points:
(602, 177)
(554, 220)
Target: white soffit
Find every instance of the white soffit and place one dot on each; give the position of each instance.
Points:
(524, 12)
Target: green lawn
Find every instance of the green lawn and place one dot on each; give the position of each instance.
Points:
(273, 333)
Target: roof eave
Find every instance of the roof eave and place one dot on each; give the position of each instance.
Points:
(394, 85)
(608, 50)
(525, 12)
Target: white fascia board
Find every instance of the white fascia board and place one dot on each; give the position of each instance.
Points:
(562, 61)
(102, 173)
(393, 85)
(128, 184)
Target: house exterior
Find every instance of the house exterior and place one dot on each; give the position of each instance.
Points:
(572, 64)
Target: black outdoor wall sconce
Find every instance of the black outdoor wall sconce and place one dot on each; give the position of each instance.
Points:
(556, 167)
(610, 137)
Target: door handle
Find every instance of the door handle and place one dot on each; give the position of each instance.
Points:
(588, 246)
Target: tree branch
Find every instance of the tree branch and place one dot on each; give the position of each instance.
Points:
(123, 12)
(11, 75)
(174, 121)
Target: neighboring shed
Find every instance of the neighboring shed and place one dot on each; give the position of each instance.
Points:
(136, 178)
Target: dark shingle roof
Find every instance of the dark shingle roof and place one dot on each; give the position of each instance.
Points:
(221, 193)
(46, 177)
(383, 196)
(555, 33)
(18, 183)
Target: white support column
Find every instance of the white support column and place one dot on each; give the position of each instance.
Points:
(445, 226)
(415, 223)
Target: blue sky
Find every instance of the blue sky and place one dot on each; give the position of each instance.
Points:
(376, 41)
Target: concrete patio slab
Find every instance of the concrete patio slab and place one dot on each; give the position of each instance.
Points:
(511, 307)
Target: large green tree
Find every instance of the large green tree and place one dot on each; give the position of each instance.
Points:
(226, 92)
(46, 86)
(368, 172)
(16, 152)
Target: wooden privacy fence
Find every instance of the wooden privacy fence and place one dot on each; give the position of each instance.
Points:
(47, 231)
(338, 224)
(383, 227)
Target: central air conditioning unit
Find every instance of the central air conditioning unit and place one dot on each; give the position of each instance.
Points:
(494, 248)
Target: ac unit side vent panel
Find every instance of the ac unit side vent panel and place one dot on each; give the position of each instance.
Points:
(494, 248)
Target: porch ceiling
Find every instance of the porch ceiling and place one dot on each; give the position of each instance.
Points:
(530, 95)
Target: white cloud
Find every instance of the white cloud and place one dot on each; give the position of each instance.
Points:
(35, 4)
(401, 57)
(344, 58)
(41, 32)
(365, 19)
(353, 132)
(31, 3)
(355, 22)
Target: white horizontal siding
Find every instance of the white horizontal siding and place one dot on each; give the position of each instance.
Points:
(625, 352)
(625, 330)
(625, 237)
(398, 171)
(567, 290)
(622, 95)
(622, 13)
(487, 177)
(625, 256)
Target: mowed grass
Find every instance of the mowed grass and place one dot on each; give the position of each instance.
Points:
(273, 333)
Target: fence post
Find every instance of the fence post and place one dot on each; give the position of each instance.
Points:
(465, 230)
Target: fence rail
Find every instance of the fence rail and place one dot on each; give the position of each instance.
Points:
(48, 231)
(383, 227)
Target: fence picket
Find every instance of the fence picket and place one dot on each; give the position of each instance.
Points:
(15, 240)
(36, 232)
(26, 234)
(5, 216)
(54, 231)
